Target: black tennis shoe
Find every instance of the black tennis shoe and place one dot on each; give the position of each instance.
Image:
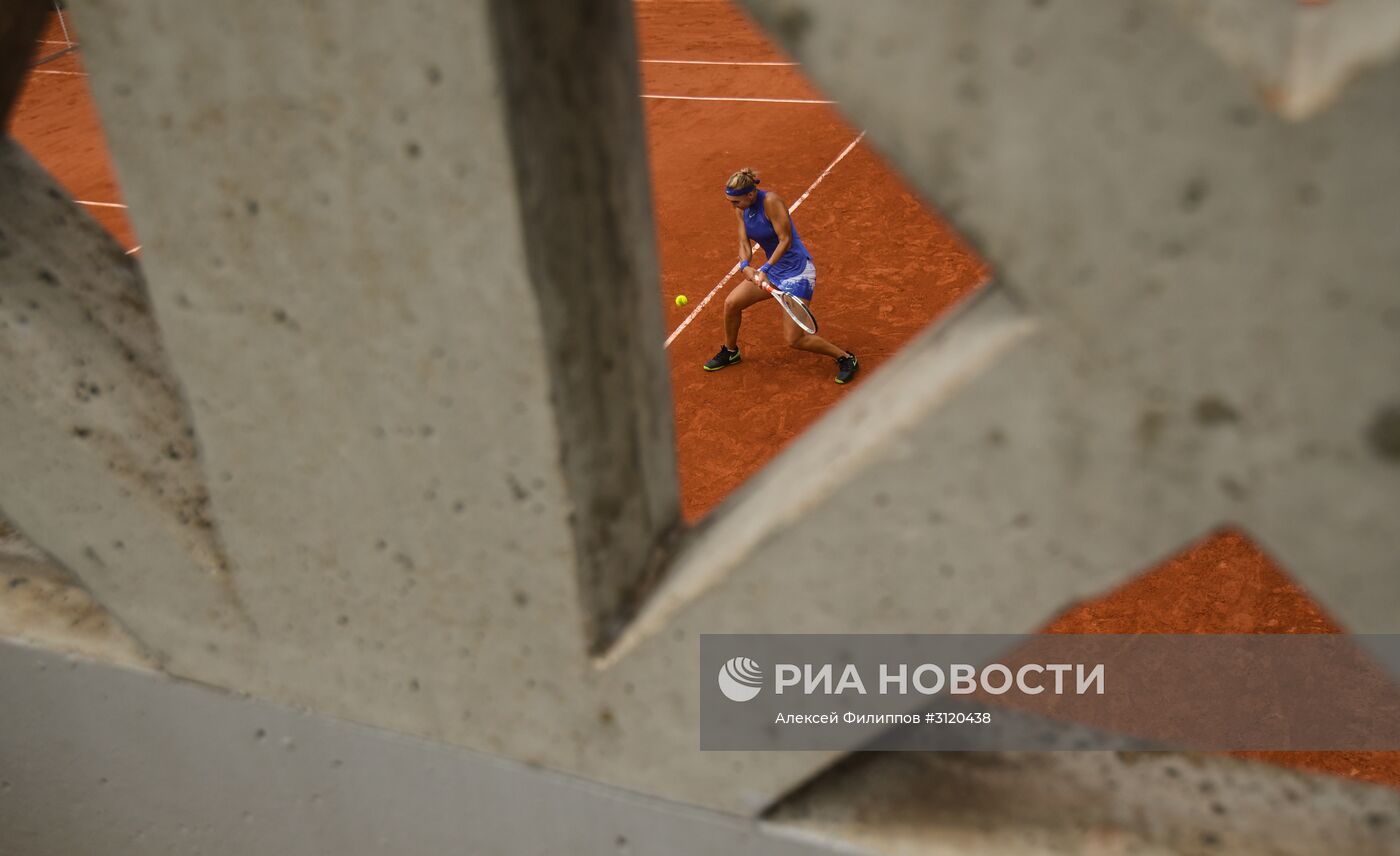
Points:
(846, 368)
(725, 357)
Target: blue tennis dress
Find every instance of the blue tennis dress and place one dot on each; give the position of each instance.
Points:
(794, 272)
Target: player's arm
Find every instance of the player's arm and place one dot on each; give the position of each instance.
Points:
(745, 246)
(782, 224)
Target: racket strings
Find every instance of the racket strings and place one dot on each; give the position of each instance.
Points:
(796, 310)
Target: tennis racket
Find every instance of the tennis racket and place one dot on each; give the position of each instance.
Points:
(795, 309)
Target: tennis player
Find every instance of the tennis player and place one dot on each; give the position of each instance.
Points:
(763, 219)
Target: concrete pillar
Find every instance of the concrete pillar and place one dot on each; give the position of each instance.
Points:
(405, 273)
(1230, 271)
(100, 466)
(20, 24)
(326, 216)
(576, 136)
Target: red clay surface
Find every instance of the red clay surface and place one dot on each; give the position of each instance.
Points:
(886, 266)
(879, 252)
(57, 122)
(1225, 584)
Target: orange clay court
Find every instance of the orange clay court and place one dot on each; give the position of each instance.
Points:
(719, 96)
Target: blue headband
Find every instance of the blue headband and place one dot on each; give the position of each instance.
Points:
(731, 191)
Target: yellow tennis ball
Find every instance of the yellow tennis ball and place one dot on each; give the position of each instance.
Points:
(680, 300)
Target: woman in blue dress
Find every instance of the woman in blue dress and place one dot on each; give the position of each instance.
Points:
(763, 219)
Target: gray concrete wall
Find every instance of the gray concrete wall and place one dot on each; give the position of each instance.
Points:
(1300, 55)
(1224, 278)
(121, 762)
(427, 511)
(128, 763)
(434, 431)
(100, 463)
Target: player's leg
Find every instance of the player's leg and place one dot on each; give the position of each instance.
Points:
(744, 295)
(803, 341)
(803, 286)
(846, 363)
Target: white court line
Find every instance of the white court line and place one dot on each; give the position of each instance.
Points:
(56, 71)
(758, 100)
(711, 62)
(100, 204)
(67, 38)
(703, 303)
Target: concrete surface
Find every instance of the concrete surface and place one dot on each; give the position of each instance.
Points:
(1228, 274)
(1091, 804)
(100, 463)
(432, 518)
(1300, 55)
(129, 763)
(121, 761)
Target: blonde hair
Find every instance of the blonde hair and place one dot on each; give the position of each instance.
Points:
(744, 179)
